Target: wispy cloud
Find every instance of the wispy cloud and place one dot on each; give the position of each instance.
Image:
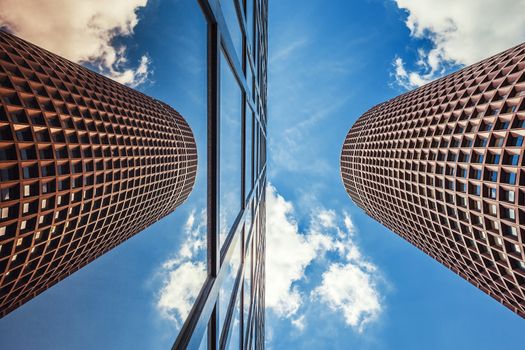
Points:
(349, 283)
(183, 275)
(460, 32)
(82, 31)
(409, 80)
(297, 71)
(290, 147)
(285, 51)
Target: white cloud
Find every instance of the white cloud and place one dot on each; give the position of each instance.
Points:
(293, 249)
(291, 253)
(82, 31)
(409, 80)
(356, 295)
(300, 322)
(184, 274)
(349, 288)
(195, 231)
(462, 33)
(180, 291)
(327, 218)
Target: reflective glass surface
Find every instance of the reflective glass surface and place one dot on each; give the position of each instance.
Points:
(248, 164)
(230, 149)
(232, 22)
(226, 290)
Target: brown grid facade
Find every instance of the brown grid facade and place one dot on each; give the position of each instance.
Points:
(85, 163)
(443, 167)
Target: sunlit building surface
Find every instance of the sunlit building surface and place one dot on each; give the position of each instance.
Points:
(443, 166)
(229, 310)
(85, 163)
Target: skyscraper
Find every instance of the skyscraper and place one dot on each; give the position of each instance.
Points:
(213, 57)
(85, 163)
(443, 167)
(229, 311)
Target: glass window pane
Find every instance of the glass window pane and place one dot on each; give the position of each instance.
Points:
(248, 154)
(204, 341)
(235, 336)
(249, 20)
(256, 150)
(232, 21)
(248, 219)
(230, 150)
(226, 290)
(249, 80)
(247, 283)
(256, 51)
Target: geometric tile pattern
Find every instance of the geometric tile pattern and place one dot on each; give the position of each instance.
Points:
(85, 163)
(443, 167)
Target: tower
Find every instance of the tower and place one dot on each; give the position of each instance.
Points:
(85, 163)
(443, 167)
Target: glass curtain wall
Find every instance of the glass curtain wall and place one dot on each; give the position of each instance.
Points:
(229, 311)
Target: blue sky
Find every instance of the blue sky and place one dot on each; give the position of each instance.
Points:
(350, 283)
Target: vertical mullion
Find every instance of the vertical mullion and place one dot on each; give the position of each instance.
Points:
(213, 148)
(213, 170)
(243, 133)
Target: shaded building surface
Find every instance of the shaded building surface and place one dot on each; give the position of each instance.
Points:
(443, 167)
(229, 311)
(85, 163)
